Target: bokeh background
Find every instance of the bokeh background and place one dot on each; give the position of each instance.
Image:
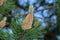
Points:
(46, 23)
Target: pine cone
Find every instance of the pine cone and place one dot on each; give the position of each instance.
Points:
(1, 2)
(27, 24)
(3, 22)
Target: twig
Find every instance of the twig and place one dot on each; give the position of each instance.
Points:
(21, 35)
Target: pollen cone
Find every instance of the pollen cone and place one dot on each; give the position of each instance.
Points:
(27, 23)
(3, 22)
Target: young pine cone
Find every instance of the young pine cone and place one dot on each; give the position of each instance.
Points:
(3, 22)
(1, 2)
(27, 23)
